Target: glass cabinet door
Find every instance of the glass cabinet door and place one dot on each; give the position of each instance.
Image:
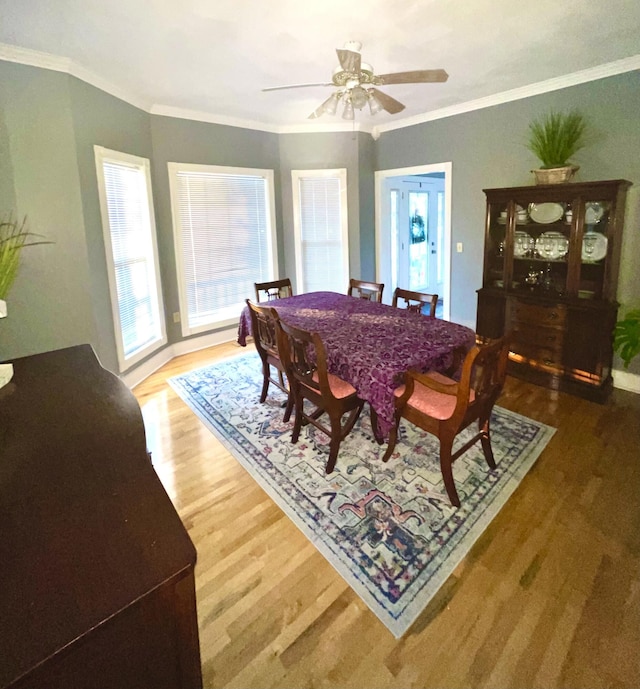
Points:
(495, 246)
(555, 241)
(594, 249)
(541, 246)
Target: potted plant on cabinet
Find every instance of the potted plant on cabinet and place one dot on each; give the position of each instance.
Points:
(554, 139)
(14, 236)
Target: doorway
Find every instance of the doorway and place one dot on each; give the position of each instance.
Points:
(413, 231)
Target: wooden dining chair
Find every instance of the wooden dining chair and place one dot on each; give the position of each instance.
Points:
(415, 301)
(365, 290)
(276, 289)
(305, 360)
(264, 327)
(443, 407)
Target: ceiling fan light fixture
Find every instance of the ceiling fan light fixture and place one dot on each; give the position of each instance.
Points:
(359, 97)
(348, 110)
(331, 104)
(375, 105)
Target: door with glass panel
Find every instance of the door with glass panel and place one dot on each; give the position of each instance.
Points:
(417, 210)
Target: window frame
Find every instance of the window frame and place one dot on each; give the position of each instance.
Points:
(341, 175)
(270, 214)
(102, 155)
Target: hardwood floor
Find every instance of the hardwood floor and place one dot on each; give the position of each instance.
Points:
(548, 597)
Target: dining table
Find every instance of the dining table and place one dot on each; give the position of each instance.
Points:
(371, 345)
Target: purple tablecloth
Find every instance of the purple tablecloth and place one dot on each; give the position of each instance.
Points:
(371, 345)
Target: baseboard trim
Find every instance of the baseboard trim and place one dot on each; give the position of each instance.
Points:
(623, 380)
(193, 344)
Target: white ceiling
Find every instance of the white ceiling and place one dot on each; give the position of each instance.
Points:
(209, 59)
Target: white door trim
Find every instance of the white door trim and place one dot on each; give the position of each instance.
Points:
(380, 177)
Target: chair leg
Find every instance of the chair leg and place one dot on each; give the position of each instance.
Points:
(485, 439)
(374, 425)
(336, 438)
(446, 445)
(297, 424)
(265, 382)
(351, 421)
(391, 445)
(289, 409)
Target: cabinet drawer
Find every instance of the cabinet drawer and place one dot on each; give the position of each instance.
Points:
(528, 334)
(540, 315)
(538, 354)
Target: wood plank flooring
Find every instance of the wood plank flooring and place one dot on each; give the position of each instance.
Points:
(548, 597)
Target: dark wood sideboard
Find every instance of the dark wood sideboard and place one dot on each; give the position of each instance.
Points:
(96, 569)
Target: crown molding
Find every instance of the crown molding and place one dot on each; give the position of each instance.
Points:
(35, 58)
(608, 69)
(198, 116)
(344, 126)
(110, 88)
(170, 111)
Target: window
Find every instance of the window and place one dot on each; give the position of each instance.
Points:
(321, 230)
(224, 232)
(124, 187)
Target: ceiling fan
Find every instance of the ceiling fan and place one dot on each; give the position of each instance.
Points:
(356, 85)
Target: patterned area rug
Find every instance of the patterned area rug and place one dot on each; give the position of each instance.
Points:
(388, 529)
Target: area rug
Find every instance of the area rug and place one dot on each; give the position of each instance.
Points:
(388, 529)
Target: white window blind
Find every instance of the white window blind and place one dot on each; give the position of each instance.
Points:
(224, 240)
(129, 230)
(320, 219)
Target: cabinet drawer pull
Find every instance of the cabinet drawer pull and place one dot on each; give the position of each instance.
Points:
(549, 362)
(553, 315)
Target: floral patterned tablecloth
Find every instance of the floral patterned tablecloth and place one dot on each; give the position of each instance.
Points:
(371, 345)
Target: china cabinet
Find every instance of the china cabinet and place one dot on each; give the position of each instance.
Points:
(551, 259)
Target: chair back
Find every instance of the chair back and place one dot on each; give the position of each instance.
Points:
(275, 289)
(442, 407)
(264, 320)
(304, 358)
(415, 301)
(483, 374)
(372, 291)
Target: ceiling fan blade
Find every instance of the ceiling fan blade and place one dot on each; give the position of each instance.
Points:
(419, 76)
(391, 105)
(297, 86)
(349, 60)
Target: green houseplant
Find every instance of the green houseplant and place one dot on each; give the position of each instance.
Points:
(14, 236)
(554, 139)
(626, 336)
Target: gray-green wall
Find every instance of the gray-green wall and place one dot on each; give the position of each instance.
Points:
(49, 306)
(320, 152)
(101, 120)
(184, 141)
(486, 148)
(49, 123)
